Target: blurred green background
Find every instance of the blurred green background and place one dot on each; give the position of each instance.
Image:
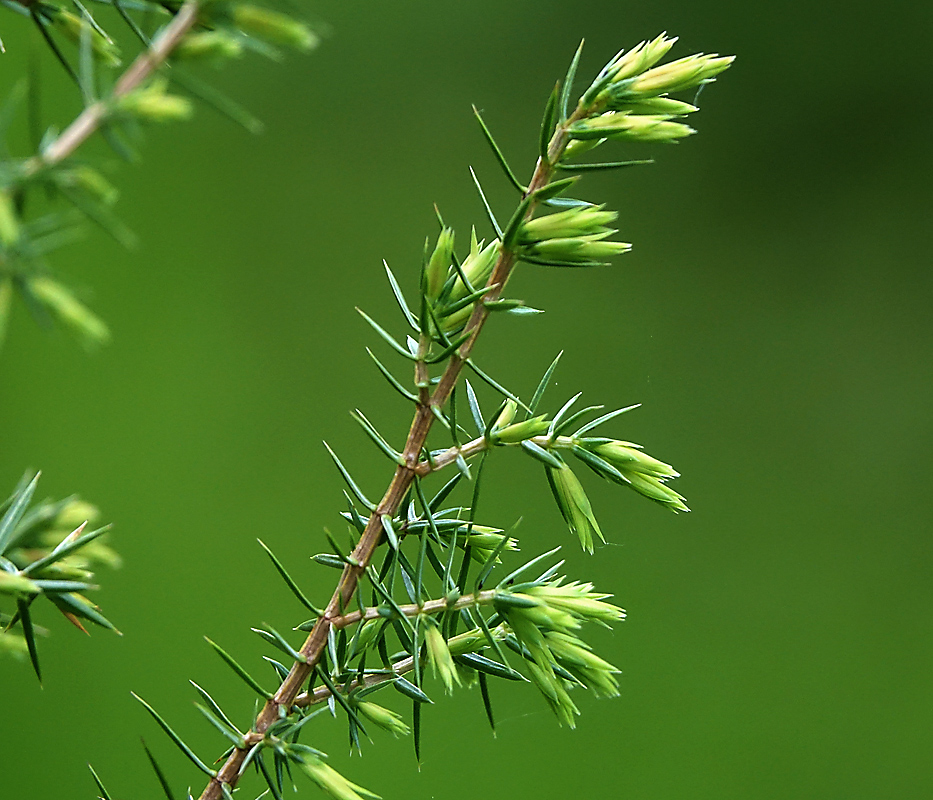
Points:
(773, 318)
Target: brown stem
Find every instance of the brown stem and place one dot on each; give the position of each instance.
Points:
(314, 645)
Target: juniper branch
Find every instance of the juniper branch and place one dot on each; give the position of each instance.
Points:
(312, 649)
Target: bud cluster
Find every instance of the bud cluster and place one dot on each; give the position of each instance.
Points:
(575, 236)
(544, 618)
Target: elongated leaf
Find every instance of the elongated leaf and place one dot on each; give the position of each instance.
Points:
(29, 634)
(289, 581)
(376, 437)
(349, 480)
(514, 226)
(166, 789)
(487, 703)
(549, 122)
(281, 643)
(542, 386)
(176, 738)
(223, 729)
(487, 666)
(216, 100)
(104, 794)
(568, 422)
(393, 381)
(64, 549)
(552, 430)
(482, 196)
(475, 409)
(544, 456)
(386, 336)
(498, 153)
(606, 165)
(74, 604)
(409, 689)
(488, 379)
(567, 89)
(603, 419)
(214, 706)
(493, 558)
(15, 513)
(242, 673)
(400, 297)
(513, 576)
(554, 262)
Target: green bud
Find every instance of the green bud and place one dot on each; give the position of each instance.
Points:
(214, 45)
(685, 73)
(273, 26)
(332, 782)
(13, 643)
(72, 27)
(520, 431)
(574, 505)
(468, 642)
(574, 222)
(506, 415)
(67, 309)
(576, 656)
(439, 655)
(11, 583)
(363, 638)
(663, 106)
(580, 249)
(630, 458)
(435, 272)
(631, 127)
(383, 717)
(76, 512)
(654, 489)
(89, 181)
(577, 599)
(641, 57)
(578, 147)
(9, 221)
(152, 103)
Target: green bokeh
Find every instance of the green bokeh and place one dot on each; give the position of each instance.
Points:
(773, 318)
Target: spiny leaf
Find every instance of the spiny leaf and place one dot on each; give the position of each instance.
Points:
(350, 482)
(104, 794)
(567, 87)
(386, 336)
(289, 581)
(25, 621)
(544, 456)
(487, 703)
(176, 738)
(65, 548)
(166, 789)
(549, 122)
(213, 705)
(376, 437)
(242, 673)
(498, 153)
(393, 381)
(542, 386)
(486, 378)
(400, 297)
(604, 418)
(603, 166)
(15, 513)
(482, 196)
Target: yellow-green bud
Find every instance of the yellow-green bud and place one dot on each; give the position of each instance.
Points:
(152, 103)
(506, 415)
(215, 45)
(274, 26)
(521, 431)
(89, 180)
(10, 583)
(69, 310)
(435, 271)
(13, 644)
(332, 782)
(567, 224)
(9, 222)
(631, 127)
(627, 457)
(654, 489)
(439, 655)
(73, 27)
(574, 505)
(75, 513)
(641, 57)
(364, 636)
(675, 76)
(383, 717)
(581, 249)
